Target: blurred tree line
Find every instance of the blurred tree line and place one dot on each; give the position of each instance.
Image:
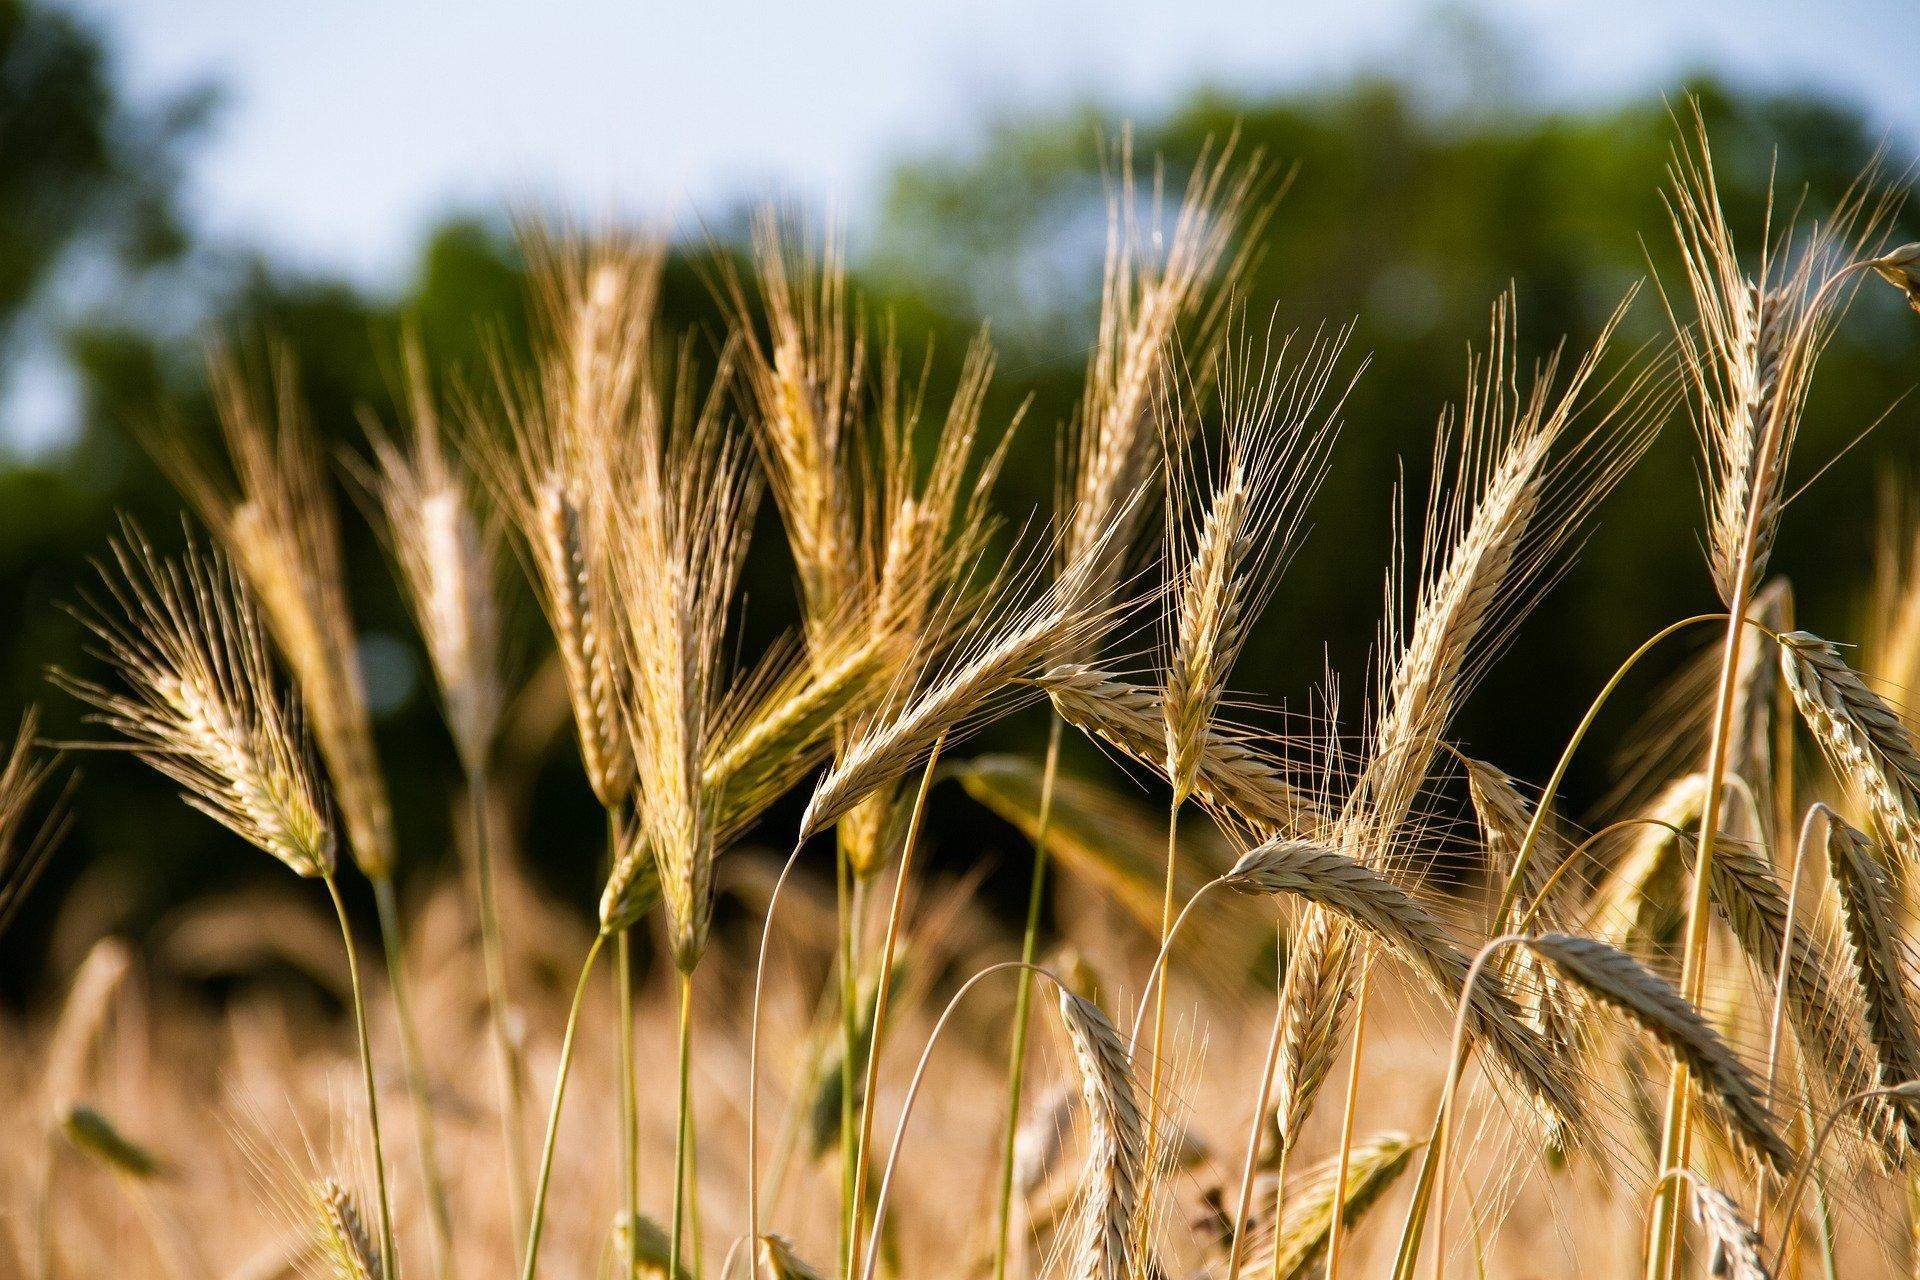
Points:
(1404, 215)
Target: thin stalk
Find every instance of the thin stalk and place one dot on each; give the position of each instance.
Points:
(849, 1044)
(388, 1254)
(1809, 1162)
(913, 1092)
(877, 1033)
(1154, 1121)
(1261, 1097)
(1676, 1135)
(539, 1218)
(493, 958)
(1335, 1223)
(1780, 994)
(1022, 1002)
(1431, 1190)
(694, 1219)
(1423, 1187)
(1279, 1204)
(1516, 874)
(628, 1087)
(393, 950)
(681, 1131)
(753, 1048)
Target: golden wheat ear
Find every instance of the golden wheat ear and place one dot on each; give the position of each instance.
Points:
(1281, 413)
(683, 506)
(1750, 351)
(198, 699)
(543, 443)
(25, 849)
(446, 554)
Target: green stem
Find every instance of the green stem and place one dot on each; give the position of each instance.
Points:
(389, 1260)
(681, 1129)
(1023, 1001)
(539, 1218)
(493, 959)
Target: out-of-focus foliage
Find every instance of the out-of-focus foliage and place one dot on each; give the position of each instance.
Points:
(1404, 216)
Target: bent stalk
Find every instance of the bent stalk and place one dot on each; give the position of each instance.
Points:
(1023, 1001)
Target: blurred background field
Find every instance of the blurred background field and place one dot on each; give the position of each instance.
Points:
(187, 173)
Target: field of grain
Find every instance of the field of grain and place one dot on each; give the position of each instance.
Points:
(1324, 994)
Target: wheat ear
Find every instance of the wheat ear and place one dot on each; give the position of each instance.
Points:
(1618, 980)
(339, 1234)
(1866, 896)
(1862, 737)
(1107, 1234)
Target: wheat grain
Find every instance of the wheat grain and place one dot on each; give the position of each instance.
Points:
(1233, 777)
(447, 565)
(1300, 1240)
(1348, 888)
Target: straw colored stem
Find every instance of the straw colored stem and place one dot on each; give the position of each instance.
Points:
(1336, 1221)
(872, 1257)
(1155, 1122)
(539, 1218)
(393, 951)
(1516, 875)
(1261, 1097)
(844, 890)
(389, 1262)
(1675, 1137)
(683, 1129)
(876, 1036)
(493, 959)
(628, 1084)
(1023, 1001)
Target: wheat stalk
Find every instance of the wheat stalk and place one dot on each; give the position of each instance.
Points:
(279, 528)
(1735, 1251)
(567, 423)
(1233, 778)
(1277, 433)
(1300, 1238)
(1477, 570)
(682, 511)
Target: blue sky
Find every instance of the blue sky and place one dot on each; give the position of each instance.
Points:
(349, 127)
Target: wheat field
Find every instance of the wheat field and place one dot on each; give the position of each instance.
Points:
(1324, 993)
